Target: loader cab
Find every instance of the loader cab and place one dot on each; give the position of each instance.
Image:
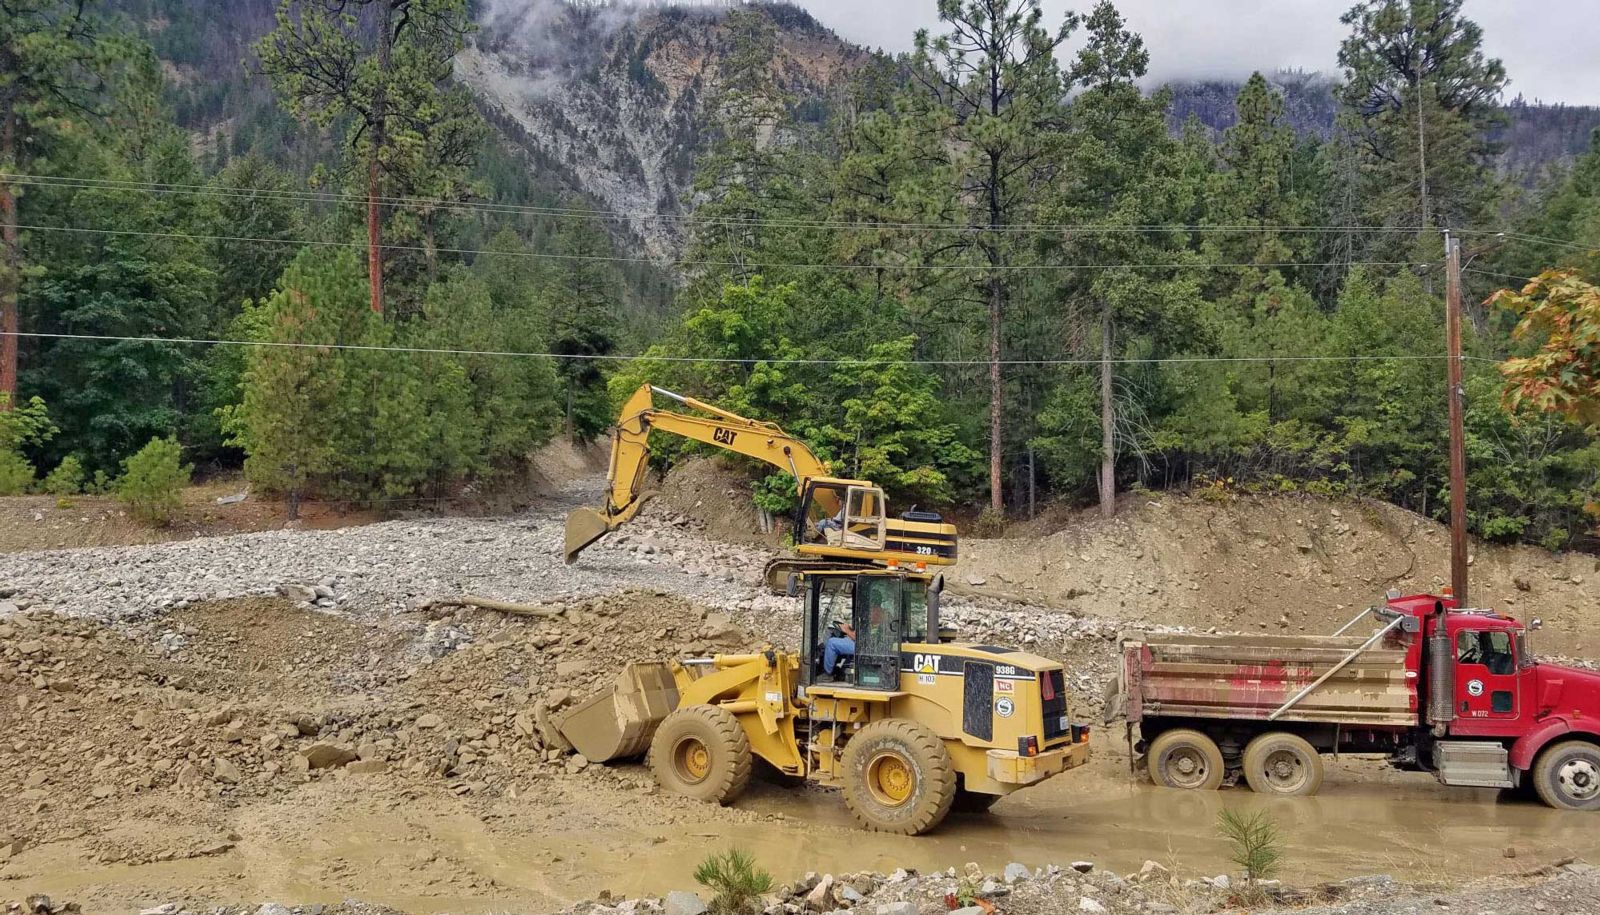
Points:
(885, 608)
(843, 514)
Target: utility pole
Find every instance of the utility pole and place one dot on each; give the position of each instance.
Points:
(1457, 394)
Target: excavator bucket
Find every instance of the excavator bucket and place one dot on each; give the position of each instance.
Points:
(584, 526)
(618, 723)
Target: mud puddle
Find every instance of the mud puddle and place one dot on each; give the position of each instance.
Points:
(541, 853)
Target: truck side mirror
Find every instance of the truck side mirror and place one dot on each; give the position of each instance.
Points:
(1535, 624)
(793, 588)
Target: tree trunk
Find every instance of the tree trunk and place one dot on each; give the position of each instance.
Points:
(10, 262)
(996, 393)
(377, 138)
(1108, 423)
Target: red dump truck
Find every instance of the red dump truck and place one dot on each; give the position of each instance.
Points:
(1441, 689)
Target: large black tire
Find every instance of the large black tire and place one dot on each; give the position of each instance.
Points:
(1186, 759)
(701, 751)
(1283, 764)
(898, 777)
(1567, 775)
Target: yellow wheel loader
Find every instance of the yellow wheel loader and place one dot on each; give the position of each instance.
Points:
(906, 722)
(839, 524)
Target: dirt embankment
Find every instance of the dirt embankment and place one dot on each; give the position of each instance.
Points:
(711, 491)
(1290, 564)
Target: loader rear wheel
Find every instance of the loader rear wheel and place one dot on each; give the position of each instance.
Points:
(701, 751)
(898, 777)
(1184, 758)
(1283, 764)
(1567, 776)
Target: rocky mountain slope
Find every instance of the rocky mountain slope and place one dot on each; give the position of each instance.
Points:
(616, 101)
(606, 103)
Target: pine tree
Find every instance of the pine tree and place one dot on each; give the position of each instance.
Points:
(996, 91)
(1121, 168)
(381, 66)
(1421, 97)
(58, 65)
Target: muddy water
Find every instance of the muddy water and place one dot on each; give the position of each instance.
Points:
(538, 857)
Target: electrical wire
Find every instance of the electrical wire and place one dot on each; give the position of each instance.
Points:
(607, 258)
(1537, 239)
(606, 357)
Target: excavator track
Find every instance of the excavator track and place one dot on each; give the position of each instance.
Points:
(777, 572)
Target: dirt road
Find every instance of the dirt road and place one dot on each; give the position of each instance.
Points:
(174, 741)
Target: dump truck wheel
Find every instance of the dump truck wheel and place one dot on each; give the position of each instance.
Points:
(1282, 763)
(898, 777)
(1185, 759)
(702, 751)
(1567, 776)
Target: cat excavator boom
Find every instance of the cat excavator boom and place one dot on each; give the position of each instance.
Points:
(860, 532)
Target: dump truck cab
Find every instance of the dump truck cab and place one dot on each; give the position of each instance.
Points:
(907, 722)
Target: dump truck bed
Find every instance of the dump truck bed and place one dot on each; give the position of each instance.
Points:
(1252, 676)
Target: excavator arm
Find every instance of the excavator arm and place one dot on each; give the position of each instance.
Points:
(630, 452)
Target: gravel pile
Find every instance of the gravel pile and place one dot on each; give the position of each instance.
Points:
(380, 572)
(1082, 889)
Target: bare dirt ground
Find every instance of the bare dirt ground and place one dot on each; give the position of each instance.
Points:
(242, 748)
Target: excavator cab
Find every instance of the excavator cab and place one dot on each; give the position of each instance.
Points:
(846, 514)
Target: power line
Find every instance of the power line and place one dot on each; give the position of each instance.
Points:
(577, 212)
(598, 357)
(540, 255)
(1503, 276)
(1540, 239)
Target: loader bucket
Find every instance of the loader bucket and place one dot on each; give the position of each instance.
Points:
(584, 526)
(618, 723)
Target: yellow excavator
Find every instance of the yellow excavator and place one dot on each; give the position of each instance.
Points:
(909, 724)
(839, 524)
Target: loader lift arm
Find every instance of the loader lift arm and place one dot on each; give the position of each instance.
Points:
(630, 453)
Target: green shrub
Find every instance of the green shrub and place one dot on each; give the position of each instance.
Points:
(153, 479)
(990, 524)
(736, 881)
(66, 479)
(1257, 845)
(16, 474)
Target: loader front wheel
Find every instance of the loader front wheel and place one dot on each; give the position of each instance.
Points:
(1185, 758)
(701, 751)
(898, 777)
(1284, 764)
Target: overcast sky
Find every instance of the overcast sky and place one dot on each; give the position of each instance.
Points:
(1549, 46)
